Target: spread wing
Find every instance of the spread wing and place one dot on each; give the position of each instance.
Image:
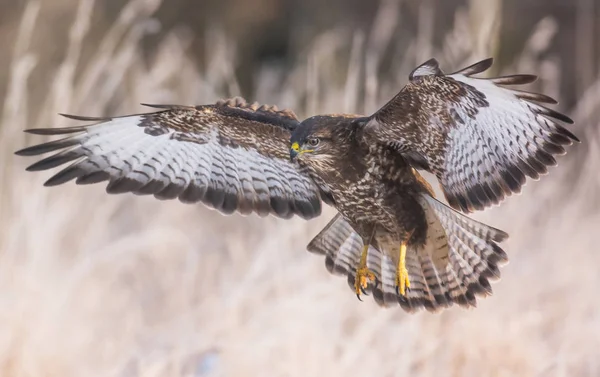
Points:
(231, 156)
(480, 138)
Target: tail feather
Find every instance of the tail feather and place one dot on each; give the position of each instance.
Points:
(342, 248)
(384, 290)
(474, 255)
(340, 245)
(438, 280)
(419, 294)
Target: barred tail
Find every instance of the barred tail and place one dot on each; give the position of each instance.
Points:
(452, 268)
(456, 268)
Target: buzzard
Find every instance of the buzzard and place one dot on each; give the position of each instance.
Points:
(391, 236)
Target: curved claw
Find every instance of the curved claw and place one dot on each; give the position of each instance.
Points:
(358, 297)
(363, 275)
(362, 278)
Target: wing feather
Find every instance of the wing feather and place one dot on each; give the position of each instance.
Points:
(475, 68)
(479, 138)
(232, 156)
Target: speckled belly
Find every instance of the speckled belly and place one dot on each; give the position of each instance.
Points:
(387, 221)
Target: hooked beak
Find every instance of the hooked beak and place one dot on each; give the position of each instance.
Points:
(294, 151)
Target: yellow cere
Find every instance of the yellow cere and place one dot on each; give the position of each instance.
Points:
(296, 147)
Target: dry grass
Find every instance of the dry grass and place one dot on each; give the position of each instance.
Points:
(97, 285)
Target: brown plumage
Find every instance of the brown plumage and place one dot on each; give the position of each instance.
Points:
(383, 202)
(480, 139)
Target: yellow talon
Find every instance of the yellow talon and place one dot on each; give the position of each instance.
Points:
(402, 279)
(363, 274)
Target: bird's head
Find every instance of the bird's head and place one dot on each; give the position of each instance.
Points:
(320, 138)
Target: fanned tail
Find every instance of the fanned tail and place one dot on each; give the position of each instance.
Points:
(459, 259)
(457, 263)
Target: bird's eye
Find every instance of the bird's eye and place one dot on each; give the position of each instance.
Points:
(313, 142)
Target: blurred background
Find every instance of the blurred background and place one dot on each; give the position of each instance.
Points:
(99, 285)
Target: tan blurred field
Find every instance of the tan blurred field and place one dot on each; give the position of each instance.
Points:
(99, 285)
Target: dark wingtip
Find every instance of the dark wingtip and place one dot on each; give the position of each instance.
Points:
(157, 106)
(50, 183)
(23, 152)
(554, 114)
(430, 67)
(54, 131)
(53, 161)
(168, 106)
(519, 79)
(84, 118)
(476, 68)
(37, 166)
(566, 119)
(64, 176)
(431, 63)
(568, 134)
(535, 97)
(486, 63)
(500, 235)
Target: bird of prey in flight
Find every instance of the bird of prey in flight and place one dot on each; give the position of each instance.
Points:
(391, 237)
